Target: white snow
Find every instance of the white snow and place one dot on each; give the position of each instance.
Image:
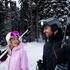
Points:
(34, 52)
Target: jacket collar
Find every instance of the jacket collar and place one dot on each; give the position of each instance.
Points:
(15, 48)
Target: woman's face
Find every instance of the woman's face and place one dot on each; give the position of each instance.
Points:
(14, 42)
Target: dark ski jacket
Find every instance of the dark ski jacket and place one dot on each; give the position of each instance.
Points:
(49, 61)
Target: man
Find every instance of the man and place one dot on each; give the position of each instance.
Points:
(53, 39)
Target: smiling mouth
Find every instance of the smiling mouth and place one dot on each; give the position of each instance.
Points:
(17, 43)
(46, 33)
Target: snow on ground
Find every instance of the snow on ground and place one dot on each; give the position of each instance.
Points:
(34, 52)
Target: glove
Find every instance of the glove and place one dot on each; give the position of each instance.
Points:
(3, 55)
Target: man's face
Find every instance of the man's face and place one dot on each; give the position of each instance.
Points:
(48, 31)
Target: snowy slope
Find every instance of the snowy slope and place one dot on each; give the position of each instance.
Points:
(34, 52)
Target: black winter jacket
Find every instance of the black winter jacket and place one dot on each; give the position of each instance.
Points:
(49, 61)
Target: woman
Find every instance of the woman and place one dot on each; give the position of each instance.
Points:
(17, 58)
